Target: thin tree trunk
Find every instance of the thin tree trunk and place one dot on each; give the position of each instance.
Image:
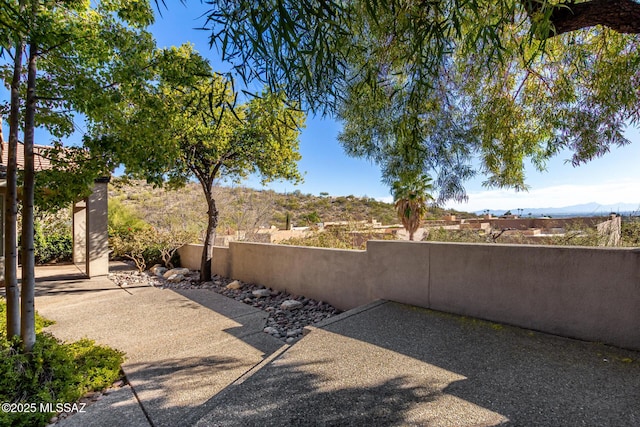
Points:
(28, 330)
(11, 204)
(210, 236)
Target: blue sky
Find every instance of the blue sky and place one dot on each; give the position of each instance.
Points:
(612, 179)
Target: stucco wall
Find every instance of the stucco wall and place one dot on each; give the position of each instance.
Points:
(191, 258)
(331, 275)
(585, 293)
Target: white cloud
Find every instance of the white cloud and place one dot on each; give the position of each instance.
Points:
(606, 193)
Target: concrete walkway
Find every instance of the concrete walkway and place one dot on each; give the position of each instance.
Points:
(197, 358)
(181, 350)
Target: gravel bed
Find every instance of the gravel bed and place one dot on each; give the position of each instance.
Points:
(288, 314)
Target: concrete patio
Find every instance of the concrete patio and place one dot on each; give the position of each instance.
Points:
(197, 358)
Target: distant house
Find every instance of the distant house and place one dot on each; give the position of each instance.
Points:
(90, 235)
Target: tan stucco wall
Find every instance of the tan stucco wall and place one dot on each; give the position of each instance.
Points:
(335, 276)
(191, 258)
(585, 293)
(90, 232)
(97, 231)
(80, 234)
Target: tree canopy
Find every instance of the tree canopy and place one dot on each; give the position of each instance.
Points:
(451, 88)
(62, 57)
(87, 53)
(186, 122)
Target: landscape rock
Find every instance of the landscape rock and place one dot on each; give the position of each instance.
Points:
(291, 305)
(175, 278)
(159, 271)
(234, 285)
(173, 271)
(270, 330)
(261, 293)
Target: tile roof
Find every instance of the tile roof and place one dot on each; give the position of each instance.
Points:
(40, 162)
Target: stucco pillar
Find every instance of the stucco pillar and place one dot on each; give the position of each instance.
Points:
(80, 235)
(90, 232)
(97, 236)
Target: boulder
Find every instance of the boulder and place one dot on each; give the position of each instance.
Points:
(234, 285)
(261, 293)
(173, 271)
(291, 304)
(175, 278)
(158, 270)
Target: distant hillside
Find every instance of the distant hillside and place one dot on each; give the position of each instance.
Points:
(245, 208)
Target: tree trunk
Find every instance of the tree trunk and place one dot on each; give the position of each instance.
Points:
(11, 204)
(411, 235)
(28, 330)
(210, 236)
(622, 16)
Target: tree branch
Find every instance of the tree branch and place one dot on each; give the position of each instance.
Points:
(622, 16)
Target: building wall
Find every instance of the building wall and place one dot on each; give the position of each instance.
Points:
(585, 293)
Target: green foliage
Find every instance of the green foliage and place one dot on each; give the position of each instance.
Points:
(579, 236)
(411, 194)
(53, 372)
(630, 232)
(57, 247)
(88, 54)
(52, 236)
(311, 218)
(122, 220)
(41, 322)
(131, 237)
(187, 123)
(204, 132)
(436, 86)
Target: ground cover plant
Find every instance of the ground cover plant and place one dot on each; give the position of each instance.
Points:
(52, 372)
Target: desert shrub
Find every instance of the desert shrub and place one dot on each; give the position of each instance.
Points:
(352, 236)
(465, 236)
(140, 246)
(150, 246)
(123, 220)
(630, 232)
(54, 372)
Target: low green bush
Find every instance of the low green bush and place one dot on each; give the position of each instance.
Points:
(55, 247)
(53, 372)
(52, 239)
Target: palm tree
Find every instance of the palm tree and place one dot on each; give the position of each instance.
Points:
(411, 195)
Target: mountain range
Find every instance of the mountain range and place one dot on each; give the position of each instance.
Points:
(586, 209)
